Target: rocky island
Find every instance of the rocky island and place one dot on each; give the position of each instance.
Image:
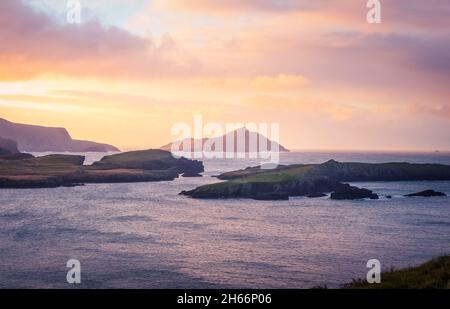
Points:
(262, 143)
(25, 171)
(314, 180)
(426, 193)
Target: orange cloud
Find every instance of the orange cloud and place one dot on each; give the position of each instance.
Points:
(38, 45)
(281, 82)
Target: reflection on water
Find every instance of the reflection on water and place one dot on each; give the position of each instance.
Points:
(147, 236)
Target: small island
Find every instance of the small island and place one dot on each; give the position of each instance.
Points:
(314, 180)
(18, 170)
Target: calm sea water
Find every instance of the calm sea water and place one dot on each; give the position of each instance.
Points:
(147, 236)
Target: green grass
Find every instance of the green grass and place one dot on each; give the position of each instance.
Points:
(253, 171)
(434, 274)
(52, 164)
(137, 156)
(256, 175)
(59, 160)
(281, 174)
(277, 175)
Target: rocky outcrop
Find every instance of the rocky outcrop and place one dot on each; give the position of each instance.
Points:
(426, 193)
(347, 192)
(316, 195)
(31, 138)
(191, 175)
(9, 151)
(264, 190)
(8, 146)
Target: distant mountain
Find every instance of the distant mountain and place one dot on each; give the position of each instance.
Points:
(33, 138)
(260, 139)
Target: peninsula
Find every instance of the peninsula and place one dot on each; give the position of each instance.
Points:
(25, 171)
(32, 138)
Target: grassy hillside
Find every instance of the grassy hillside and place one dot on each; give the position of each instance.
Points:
(283, 172)
(434, 274)
(136, 157)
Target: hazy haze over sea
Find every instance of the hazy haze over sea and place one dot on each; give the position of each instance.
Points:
(147, 236)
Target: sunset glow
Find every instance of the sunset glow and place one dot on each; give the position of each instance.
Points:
(132, 69)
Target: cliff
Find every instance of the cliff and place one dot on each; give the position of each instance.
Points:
(31, 138)
(8, 146)
(9, 151)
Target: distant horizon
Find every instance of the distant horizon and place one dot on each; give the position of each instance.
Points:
(291, 149)
(420, 151)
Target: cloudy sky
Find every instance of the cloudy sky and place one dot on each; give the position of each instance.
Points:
(133, 68)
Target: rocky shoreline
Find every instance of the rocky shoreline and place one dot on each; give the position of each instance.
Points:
(19, 171)
(315, 180)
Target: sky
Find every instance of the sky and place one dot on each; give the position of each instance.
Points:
(133, 68)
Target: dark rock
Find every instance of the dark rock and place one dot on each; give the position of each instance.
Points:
(271, 197)
(389, 196)
(17, 156)
(8, 146)
(316, 195)
(426, 193)
(191, 175)
(353, 193)
(72, 185)
(9, 151)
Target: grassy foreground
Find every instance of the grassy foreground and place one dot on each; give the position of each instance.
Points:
(434, 274)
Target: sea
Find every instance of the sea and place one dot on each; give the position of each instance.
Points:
(146, 235)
